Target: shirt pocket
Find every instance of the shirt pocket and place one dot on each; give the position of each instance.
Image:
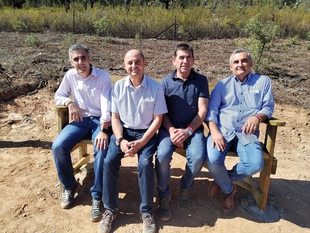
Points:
(147, 106)
(254, 99)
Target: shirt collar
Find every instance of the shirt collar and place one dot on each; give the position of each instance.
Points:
(142, 84)
(174, 77)
(246, 79)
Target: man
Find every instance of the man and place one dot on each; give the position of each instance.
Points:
(90, 116)
(187, 96)
(138, 105)
(237, 105)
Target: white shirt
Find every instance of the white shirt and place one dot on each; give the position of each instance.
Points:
(91, 94)
(138, 106)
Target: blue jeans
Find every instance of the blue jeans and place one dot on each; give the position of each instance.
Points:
(65, 141)
(195, 154)
(251, 162)
(112, 164)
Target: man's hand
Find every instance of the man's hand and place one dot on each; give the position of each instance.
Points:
(74, 113)
(251, 125)
(134, 146)
(178, 136)
(218, 140)
(126, 148)
(102, 141)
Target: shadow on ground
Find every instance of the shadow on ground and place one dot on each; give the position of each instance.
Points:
(203, 210)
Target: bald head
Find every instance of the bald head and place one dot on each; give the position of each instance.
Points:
(133, 53)
(134, 63)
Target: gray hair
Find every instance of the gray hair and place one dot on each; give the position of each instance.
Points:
(77, 47)
(240, 50)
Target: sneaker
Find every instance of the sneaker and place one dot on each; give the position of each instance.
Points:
(148, 223)
(228, 201)
(163, 210)
(68, 196)
(96, 211)
(183, 199)
(105, 224)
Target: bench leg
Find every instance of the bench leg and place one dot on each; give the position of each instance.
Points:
(264, 182)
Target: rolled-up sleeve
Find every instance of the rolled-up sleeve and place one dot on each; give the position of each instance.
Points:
(63, 92)
(268, 99)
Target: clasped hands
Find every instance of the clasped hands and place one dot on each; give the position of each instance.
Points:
(178, 136)
(130, 148)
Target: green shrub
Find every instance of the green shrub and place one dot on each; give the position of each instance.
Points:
(68, 41)
(32, 40)
(102, 26)
(19, 26)
(294, 40)
(262, 32)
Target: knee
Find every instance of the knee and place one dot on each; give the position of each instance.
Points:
(163, 158)
(212, 156)
(145, 164)
(256, 167)
(164, 153)
(213, 164)
(109, 160)
(56, 147)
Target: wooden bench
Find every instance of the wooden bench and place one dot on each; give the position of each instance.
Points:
(258, 190)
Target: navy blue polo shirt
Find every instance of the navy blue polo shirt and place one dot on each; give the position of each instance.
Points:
(182, 97)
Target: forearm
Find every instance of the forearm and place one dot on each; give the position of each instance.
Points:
(117, 126)
(212, 127)
(166, 123)
(105, 125)
(152, 130)
(197, 121)
(262, 117)
(201, 115)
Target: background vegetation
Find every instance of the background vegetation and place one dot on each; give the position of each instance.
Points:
(261, 21)
(184, 19)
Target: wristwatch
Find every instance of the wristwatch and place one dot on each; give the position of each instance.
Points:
(118, 141)
(189, 131)
(103, 130)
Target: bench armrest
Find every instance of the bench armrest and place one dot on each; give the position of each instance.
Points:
(62, 116)
(274, 122)
(271, 134)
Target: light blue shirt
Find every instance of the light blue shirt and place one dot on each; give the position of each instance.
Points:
(91, 94)
(138, 106)
(232, 102)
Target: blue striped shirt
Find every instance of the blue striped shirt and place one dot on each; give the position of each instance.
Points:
(232, 102)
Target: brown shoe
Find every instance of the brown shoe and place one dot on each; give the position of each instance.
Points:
(228, 201)
(213, 189)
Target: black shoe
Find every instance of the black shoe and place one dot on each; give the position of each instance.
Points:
(163, 210)
(96, 211)
(105, 224)
(183, 199)
(68, 196)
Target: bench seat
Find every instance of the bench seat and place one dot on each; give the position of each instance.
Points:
(259, 189)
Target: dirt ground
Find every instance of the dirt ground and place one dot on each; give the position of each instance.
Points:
(29, 197)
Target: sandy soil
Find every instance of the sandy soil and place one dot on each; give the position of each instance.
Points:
(29, 197)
